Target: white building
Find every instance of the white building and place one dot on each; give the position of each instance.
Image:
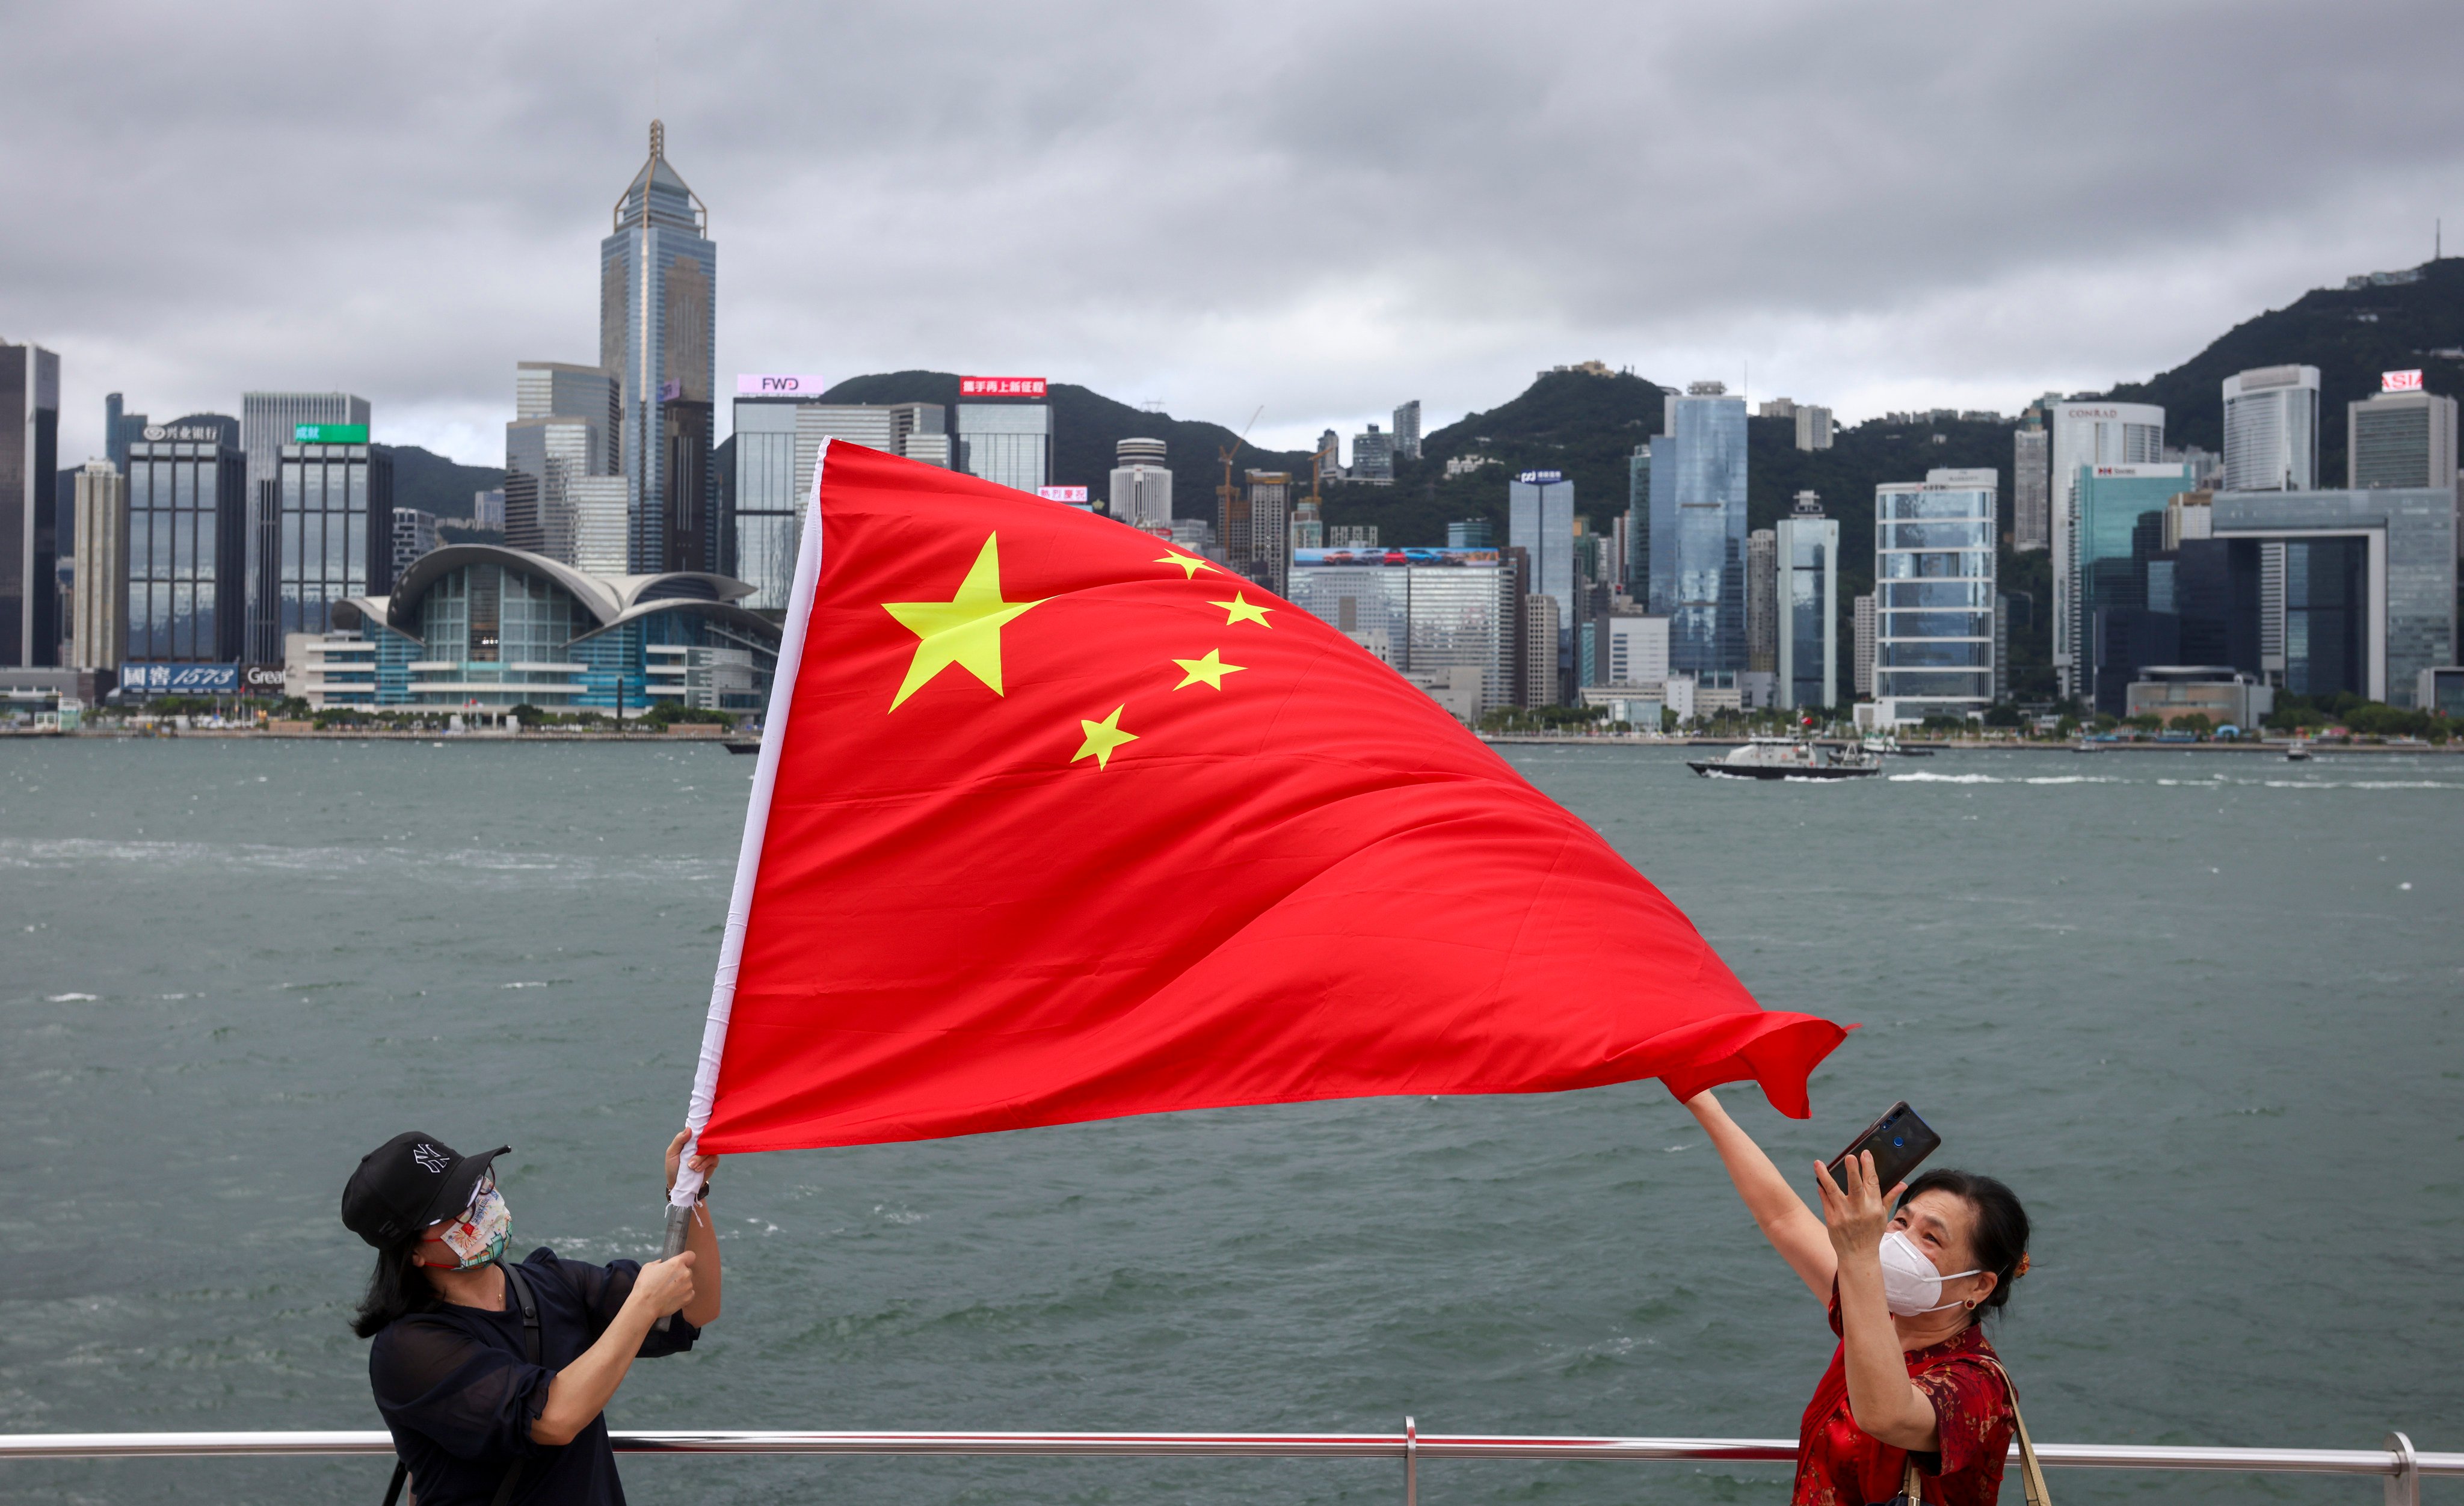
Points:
(1933, 585)
(1638, 649)
(2092, 433)
(2272, 429)
(99, 600)
(1141, 491)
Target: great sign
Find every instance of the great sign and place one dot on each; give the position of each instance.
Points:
(2398, 382)
(1001, 386)
(756, 385)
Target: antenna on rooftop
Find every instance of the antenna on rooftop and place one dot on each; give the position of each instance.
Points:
(658, 139)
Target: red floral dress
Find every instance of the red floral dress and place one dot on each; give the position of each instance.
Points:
(1838, 1464)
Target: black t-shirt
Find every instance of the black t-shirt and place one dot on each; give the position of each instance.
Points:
(459, 1392)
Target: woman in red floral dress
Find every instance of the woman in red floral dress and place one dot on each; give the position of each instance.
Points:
(1913, 1379)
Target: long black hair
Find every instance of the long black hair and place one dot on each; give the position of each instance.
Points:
(397, 1287)
(2000, 1236)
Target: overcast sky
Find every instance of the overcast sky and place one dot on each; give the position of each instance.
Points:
(1324, 208)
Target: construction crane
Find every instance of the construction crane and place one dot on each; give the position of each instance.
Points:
(1225, 494)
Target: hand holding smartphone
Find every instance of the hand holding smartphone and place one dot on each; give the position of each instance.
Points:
(1899, 1140)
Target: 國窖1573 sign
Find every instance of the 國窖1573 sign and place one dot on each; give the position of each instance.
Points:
(2398, 382)
(1001, 386)
(160, 679)
(329, 433)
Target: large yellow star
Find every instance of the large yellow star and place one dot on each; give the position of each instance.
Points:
(1209, 670)
(1242, 611)
(1102, 737)
(965, 630)
(1189, 568)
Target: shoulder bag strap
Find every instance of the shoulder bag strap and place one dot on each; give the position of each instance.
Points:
(521, 1290)
(393, 1490)
(2031, 1475)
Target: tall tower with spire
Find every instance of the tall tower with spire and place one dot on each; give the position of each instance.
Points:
(658, 299)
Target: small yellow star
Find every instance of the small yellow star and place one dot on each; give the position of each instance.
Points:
(1242, 612)
(1189, 568)
(1102, 737)
(1210, 670)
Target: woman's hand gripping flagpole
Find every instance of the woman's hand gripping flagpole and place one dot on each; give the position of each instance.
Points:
(688, 1171)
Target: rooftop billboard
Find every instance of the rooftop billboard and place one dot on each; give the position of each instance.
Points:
(1370, 554)
(779, 385)
(1001, 386)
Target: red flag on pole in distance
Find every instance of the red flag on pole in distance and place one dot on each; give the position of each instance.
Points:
(1055, 821)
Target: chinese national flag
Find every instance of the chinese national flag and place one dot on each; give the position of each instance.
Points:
(1063, 823)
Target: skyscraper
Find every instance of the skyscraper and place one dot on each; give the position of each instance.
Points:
(658, 301)
(1407, 430)
(1268, 539)
(1863, 649)
(30, 443)
(268, 421)
(1372, 457)
(1008, 443)
(118, 428)
(1814, 427)
(1697, 529)
(1540, 521)
(2272, 429)
(2403, 437)
(187, 515)
(100, 615)
(2088, 434)
(1933, 575)
(336, 532)
(1638, 523)
(1141, 490)
(1762, 611)
(2031, 484)
(1807, 605)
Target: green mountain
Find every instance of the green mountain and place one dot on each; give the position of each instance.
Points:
(1087, 425)
(431, 483)
(2350, 333)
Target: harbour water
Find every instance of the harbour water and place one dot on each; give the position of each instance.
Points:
(2201, 1010)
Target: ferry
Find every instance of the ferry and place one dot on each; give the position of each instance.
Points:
(1788, 758)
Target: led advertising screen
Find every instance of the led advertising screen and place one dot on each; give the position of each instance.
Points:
(1001, 386)
(160, 679)
(1370, 554)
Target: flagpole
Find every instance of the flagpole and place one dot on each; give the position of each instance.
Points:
(748, 863)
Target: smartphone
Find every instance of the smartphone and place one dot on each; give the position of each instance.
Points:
(1900, 1140)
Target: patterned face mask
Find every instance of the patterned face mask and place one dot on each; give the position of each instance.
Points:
(477, 1236)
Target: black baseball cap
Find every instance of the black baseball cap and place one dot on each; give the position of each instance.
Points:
(409, 1183)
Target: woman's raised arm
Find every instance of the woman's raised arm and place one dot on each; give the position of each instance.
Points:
(1793, 1229)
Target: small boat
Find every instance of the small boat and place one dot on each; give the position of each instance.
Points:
(2298, 752)
(1886, 745)
(1787, 758)
(737, 745)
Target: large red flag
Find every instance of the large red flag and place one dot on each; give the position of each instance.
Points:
(1054, 821)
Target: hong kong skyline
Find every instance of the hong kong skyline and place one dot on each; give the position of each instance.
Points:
(1323, 211)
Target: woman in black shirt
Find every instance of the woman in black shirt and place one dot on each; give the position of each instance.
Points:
(493, 1377)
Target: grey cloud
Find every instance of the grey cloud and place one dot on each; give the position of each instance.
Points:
(1322, 207)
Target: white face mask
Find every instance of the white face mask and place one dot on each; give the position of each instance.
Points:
(1911, 1283)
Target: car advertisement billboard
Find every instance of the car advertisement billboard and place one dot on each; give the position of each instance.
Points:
(1001, 386)
(161, 679)
(1371, 555)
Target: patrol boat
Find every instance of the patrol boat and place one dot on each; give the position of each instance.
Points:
(1787, 758)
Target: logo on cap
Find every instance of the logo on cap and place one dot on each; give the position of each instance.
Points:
(429, 1156)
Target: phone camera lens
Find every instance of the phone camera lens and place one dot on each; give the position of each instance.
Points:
(1899, 1142)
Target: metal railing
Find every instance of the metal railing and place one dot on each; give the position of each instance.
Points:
(2398, 1463)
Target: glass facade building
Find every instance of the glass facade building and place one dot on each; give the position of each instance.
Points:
(268, 421)
(2088, 434)
(1008, 443)
(1808, 602)
(1697, 533)
(2358, 587)
(333, 533)
(481, 627)
(1933, 583)
(30, 547)
(1540, 521)
(1424, 611)
(187, 556)
(658, 291)
(2272, 429)
(2118, 522)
